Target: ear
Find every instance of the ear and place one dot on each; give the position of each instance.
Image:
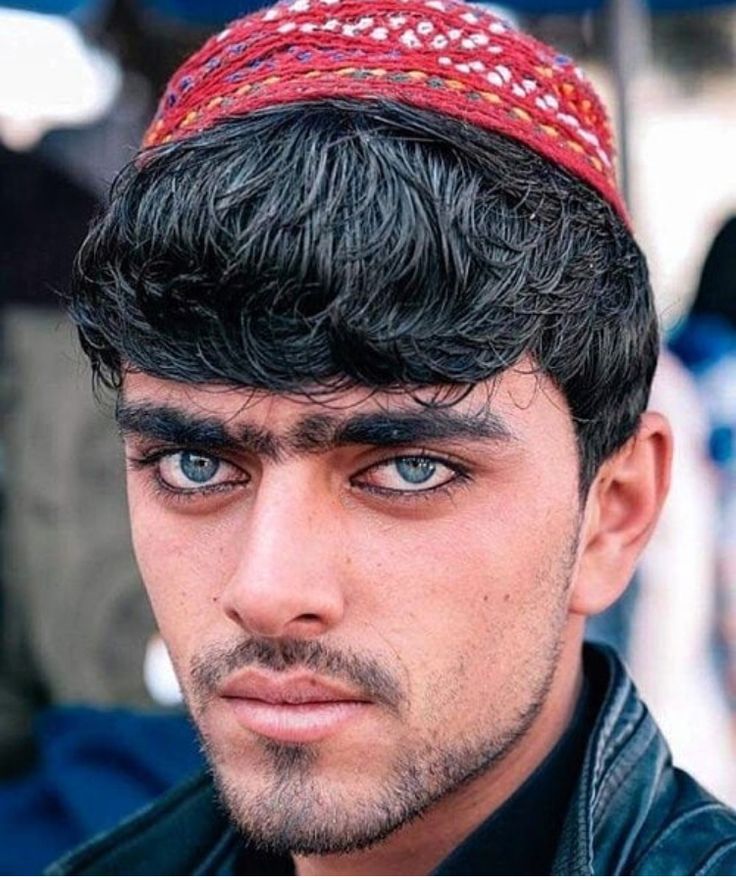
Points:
(621, 512)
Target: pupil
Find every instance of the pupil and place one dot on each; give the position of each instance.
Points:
(198, 468)
(415, 470)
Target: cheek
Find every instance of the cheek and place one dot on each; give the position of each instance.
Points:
(183, 562)
(464, 605)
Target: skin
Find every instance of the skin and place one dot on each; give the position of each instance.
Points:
(467, 602)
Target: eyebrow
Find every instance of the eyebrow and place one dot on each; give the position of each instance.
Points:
(311, 434)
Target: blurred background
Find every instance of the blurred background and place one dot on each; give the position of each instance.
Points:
(90, 720)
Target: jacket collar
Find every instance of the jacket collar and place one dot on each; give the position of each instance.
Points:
(605, 814)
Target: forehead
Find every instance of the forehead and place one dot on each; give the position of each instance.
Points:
(519, 405)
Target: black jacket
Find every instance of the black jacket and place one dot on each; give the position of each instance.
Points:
(632, 812)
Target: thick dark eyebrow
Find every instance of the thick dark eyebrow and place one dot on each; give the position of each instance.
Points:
(179, 428)
(312, 434)
(397, 429)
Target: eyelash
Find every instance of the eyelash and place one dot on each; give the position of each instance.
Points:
(150, 460)
(461, 477)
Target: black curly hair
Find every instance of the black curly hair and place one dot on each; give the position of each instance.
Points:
(336, 243)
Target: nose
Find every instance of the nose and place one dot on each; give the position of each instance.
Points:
(286, 583)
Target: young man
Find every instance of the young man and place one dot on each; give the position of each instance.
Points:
(383, 341)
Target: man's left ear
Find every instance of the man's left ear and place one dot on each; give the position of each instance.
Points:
(621, 512)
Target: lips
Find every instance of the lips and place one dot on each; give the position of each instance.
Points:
(297, 708)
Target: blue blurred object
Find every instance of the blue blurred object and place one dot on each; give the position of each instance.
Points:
(95, 767)
(224, 10)
(194, 12)
(703, 339)
(217, 12)
(706, 344)
(539, 7)
(79, 10)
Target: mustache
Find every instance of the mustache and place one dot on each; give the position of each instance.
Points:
(209, 668)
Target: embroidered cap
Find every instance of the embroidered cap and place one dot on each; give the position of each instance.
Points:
(442, 55)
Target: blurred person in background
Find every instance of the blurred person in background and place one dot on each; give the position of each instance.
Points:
(706, 342)
(388, 447)
(673, 618)
(79, 743)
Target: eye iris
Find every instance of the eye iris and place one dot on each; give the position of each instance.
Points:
(416, 470)
(198, 468)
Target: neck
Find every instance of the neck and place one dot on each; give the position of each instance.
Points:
(421, 845)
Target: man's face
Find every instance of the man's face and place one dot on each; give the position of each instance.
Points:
(364, 599)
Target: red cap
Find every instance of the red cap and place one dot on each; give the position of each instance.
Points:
(440, 55)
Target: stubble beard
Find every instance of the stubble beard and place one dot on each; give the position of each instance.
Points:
(294, 812)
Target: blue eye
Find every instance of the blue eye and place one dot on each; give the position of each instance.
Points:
(410, 474)
(188, 472)
(198, 468)
(416, 470)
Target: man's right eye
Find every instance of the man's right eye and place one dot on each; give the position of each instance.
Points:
(191, 471)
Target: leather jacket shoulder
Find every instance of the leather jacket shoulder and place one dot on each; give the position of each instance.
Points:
(632, 811)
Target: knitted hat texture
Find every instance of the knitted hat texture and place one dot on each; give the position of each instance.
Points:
(441, 55)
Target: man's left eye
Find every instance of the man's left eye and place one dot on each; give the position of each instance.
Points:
(187, 470)
(409, 473)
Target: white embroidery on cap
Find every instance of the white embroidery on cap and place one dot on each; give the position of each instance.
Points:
(568, 120)
(410, 40)
(504, 72)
